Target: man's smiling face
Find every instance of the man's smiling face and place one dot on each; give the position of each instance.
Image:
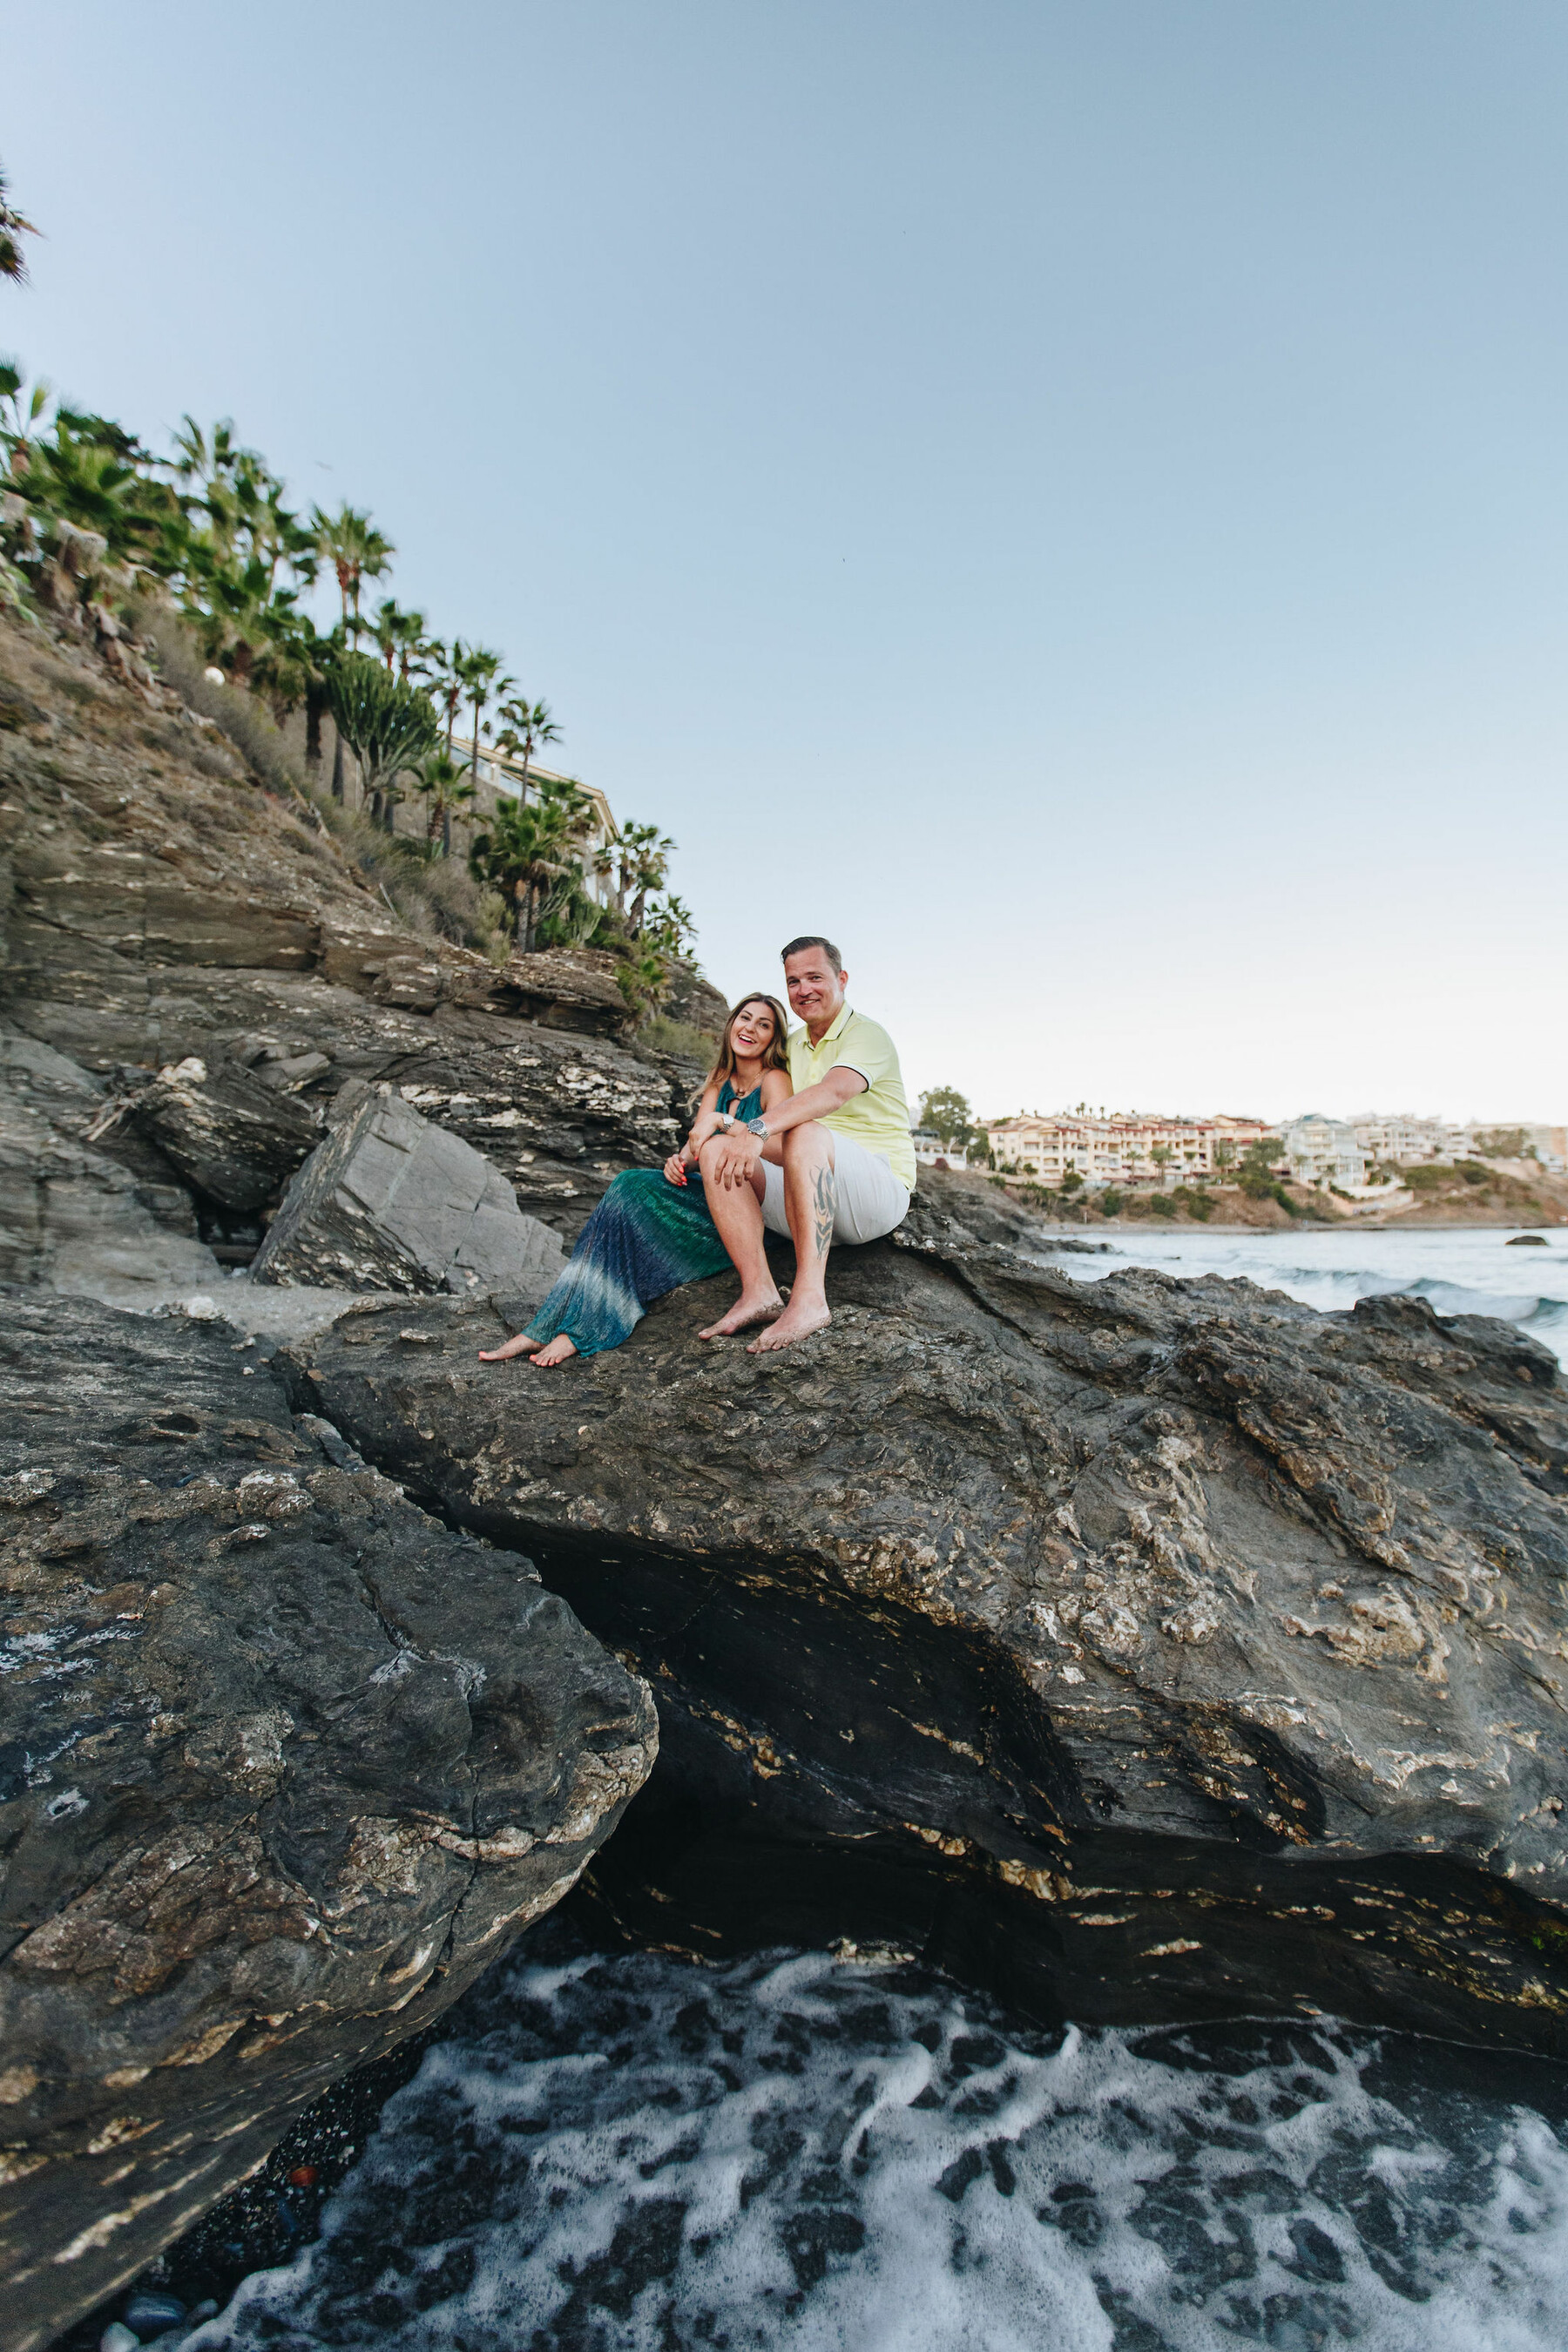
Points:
(816, 991)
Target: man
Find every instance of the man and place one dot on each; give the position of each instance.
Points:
(833, 1163)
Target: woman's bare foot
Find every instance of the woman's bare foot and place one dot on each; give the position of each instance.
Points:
(521, 1346)
(746, 1315)
(560, 1348)
(795, 1324)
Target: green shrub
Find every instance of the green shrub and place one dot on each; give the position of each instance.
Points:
(1472, 1172)
(1161, 1204)
(1110, 1202)
(1425, 1178)
(1196, 1204)
(679, 1038)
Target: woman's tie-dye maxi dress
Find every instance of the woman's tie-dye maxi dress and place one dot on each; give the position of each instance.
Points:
(646, 1236)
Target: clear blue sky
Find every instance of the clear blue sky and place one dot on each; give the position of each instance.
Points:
(1067, 498)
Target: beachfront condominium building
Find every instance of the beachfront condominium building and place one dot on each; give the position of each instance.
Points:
(496, 773)
(1321, 1151)
(1118, 1146)
(1400, 1139)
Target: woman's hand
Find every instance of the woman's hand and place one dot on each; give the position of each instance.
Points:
(675, 1167)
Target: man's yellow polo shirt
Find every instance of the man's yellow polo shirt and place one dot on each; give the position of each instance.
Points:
(880, 1118)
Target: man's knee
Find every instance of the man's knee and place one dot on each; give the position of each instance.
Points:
(809, 1143)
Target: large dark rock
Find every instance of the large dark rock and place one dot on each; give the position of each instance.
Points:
(389, 1203)
(1154, 1648)
(229, 1133)
(286, 1764)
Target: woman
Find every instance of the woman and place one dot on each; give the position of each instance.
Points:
(652, 1230)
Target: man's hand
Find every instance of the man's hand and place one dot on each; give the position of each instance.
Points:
(737, 1155)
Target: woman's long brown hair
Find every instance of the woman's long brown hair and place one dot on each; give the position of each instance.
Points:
(776, 1057)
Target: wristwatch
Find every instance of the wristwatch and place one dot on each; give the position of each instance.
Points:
(757, 1126)
(726, 1119)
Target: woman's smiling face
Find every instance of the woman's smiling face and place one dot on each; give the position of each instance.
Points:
(752, 1031)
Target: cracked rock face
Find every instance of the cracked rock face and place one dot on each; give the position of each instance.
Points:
(391, 1203)
(285, 1764)
(1154, 1648)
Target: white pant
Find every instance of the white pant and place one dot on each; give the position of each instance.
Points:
(870, 1200)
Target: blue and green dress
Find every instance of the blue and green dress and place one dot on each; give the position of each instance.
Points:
(646, 1236)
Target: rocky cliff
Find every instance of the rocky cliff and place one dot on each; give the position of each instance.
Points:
(157, 906)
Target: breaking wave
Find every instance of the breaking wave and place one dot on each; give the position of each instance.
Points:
(1463, 1270)
(641, 2153)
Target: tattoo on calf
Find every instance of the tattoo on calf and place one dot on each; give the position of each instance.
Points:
(823, 1204)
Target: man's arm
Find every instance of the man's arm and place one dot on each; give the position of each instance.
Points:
(830, 1093)
(739, 1150)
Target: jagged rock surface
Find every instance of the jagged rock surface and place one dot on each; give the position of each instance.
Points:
(389, 1203)
(109, 1220)
(1156, 1648)
(231, 1136)
(286, 1764)
(156, 905)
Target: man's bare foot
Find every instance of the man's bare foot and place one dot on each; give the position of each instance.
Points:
(745, 1316)
(521, 1346)
(795, 1323)
(560, 1348)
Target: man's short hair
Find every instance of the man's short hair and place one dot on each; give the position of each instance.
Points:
(813, 940)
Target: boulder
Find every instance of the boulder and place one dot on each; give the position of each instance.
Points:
(108, 1220)
(231, 1134)
(571, 988)
(391, 1203)
(1151, 1648)
(285, 1765)
(1526, 1240)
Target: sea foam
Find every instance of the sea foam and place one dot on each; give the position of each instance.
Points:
(801, 2151)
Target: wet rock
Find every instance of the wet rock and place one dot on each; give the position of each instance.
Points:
(1526, 1240)
(1151, 1648)
(286, 1765)
(389, 1203)
(233, 1135)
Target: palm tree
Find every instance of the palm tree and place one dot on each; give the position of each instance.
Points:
(90, 473)
(19, 416)
(670, 924)
(531, 852)
(528, 726)
(14, 227)
(642, 857)
(479, 673)
(442, 786)
(356, 550)
(400, 639)
(387, 726)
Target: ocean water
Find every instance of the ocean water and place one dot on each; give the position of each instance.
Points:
(1464, 1271)
(639, 2153)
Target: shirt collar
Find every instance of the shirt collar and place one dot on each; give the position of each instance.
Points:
(832, 1036)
